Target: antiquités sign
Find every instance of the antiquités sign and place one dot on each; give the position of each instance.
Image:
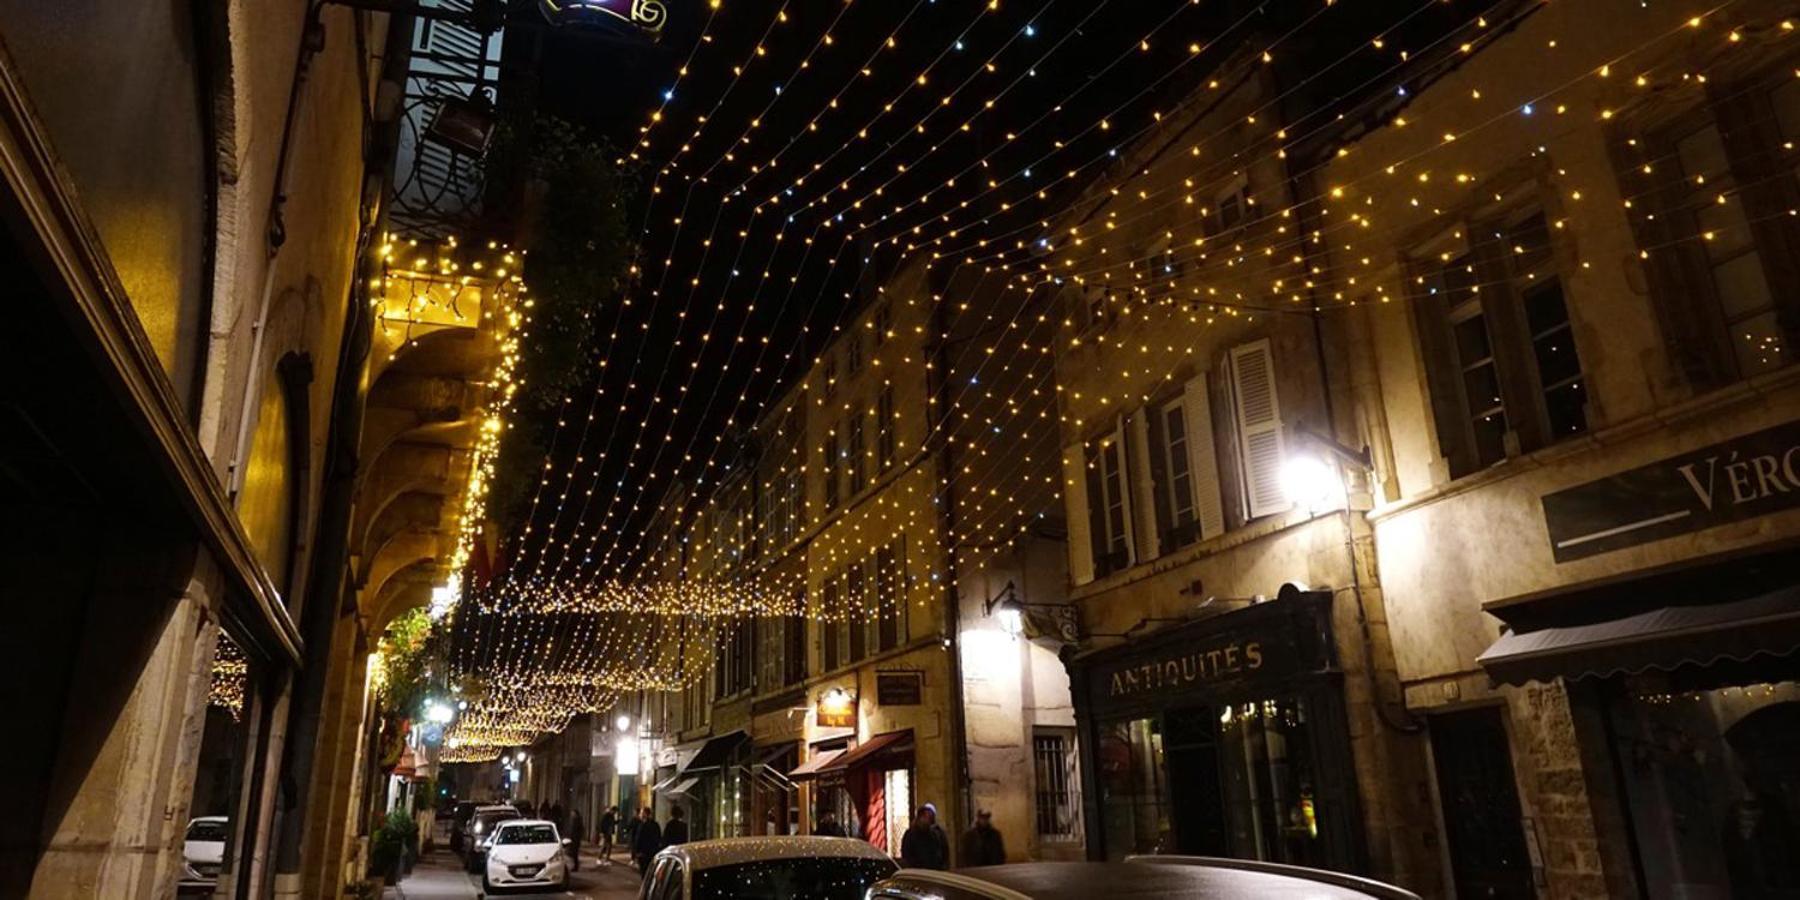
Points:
(1745, 477)
(1189, 667)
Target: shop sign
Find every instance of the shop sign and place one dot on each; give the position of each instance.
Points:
(899, 688)
(647, 16)
(1745, 477)
(1192, 666)
(836, 709)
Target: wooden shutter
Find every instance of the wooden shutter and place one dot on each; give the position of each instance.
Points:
(1147, 543)
(1203, 457)
(1259, 427)
(1075, 506)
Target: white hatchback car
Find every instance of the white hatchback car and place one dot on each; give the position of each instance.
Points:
(525, 853)
(821, 868)
(203, 852)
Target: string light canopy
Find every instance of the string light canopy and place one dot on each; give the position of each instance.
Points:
(1017, 155)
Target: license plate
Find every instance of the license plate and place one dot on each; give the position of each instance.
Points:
(524, 871)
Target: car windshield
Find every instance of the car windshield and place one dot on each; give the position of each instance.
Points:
(206, 831)
(487, 820)
(805, 878)
(527, 834)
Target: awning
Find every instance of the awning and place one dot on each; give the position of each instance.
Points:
(763, 770)
(1665, 638)
(685, 786)
(869, 750)
(715, 752)
(810, 768)
(663, 785)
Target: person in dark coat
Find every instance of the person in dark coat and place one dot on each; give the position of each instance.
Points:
(609, 821)
(925, 846)
(676, 832)
(982, 844)
(828, 826)
(647, 840)
(577, 831)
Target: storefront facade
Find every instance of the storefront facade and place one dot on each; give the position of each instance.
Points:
(1226, 736)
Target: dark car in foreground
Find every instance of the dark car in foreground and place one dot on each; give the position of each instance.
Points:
(1138, 876)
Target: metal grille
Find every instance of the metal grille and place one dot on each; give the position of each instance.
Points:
(1058, 806)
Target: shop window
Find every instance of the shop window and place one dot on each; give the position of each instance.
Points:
(1710, 784)
(1504, 372)
(888, 426)
(1109, 504)
(1134, 789)
(1058, 798)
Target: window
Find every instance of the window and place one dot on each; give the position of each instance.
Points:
(887, 427)
(831, 630)
(1719, 237)
(884, 323)
(731, 669)
(830, 472)
(1500, 351)
(854, 585)
(1184, 468)
(890, 596)
(1257, 411)
(1178, 484)
(794, 653)
(828, 379)
(1231, 206)
(853, 352)
(1109, 510)
(1058, 797)
(855, 453)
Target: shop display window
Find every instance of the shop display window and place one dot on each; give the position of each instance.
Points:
(1712, 785)
(1134, 788)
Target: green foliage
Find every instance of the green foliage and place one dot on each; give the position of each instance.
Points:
(397, 837)
(571, 199)
(424, 795)
(408, 650)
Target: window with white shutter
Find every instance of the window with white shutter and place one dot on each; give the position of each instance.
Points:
(1109, 501)
(1258, 414)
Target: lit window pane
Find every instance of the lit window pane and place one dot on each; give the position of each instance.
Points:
(1703, 154)
(1743, 291)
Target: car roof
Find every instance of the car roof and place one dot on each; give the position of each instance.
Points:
(513, 823)
(1071, 880)
(732, 851)
(497, 807)
(221, 819)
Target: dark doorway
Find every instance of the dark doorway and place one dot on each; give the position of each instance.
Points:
(1192, 751)
(1481, 805)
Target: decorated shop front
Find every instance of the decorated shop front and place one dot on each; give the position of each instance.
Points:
(1225, 736)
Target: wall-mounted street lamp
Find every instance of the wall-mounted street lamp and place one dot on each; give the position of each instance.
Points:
(623, 722)
(1014, 614)
(1309, 478)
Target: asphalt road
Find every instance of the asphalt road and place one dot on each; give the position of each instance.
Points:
(441, 877)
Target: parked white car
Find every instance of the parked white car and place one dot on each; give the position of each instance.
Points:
(526, 853)
(822, 868)
(203, 852)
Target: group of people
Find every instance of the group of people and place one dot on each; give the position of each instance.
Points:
(647, 837)
(926, 846)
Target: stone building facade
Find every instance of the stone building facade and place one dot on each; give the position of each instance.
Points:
(195, 197)
(1529, 318)
(893, 683)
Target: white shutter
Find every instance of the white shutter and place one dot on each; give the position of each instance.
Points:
(1259, 427)
(1075, 506)
(1125, 491)
(1143, 488)
(1203, 456)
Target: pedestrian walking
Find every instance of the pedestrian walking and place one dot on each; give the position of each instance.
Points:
(925, 846)
(647, 840)
(828, 826)
(676, 832)
(577, 831)
(982, 844)
(609, 820)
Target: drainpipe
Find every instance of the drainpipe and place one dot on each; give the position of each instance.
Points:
(947, 521)
(312, 40)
